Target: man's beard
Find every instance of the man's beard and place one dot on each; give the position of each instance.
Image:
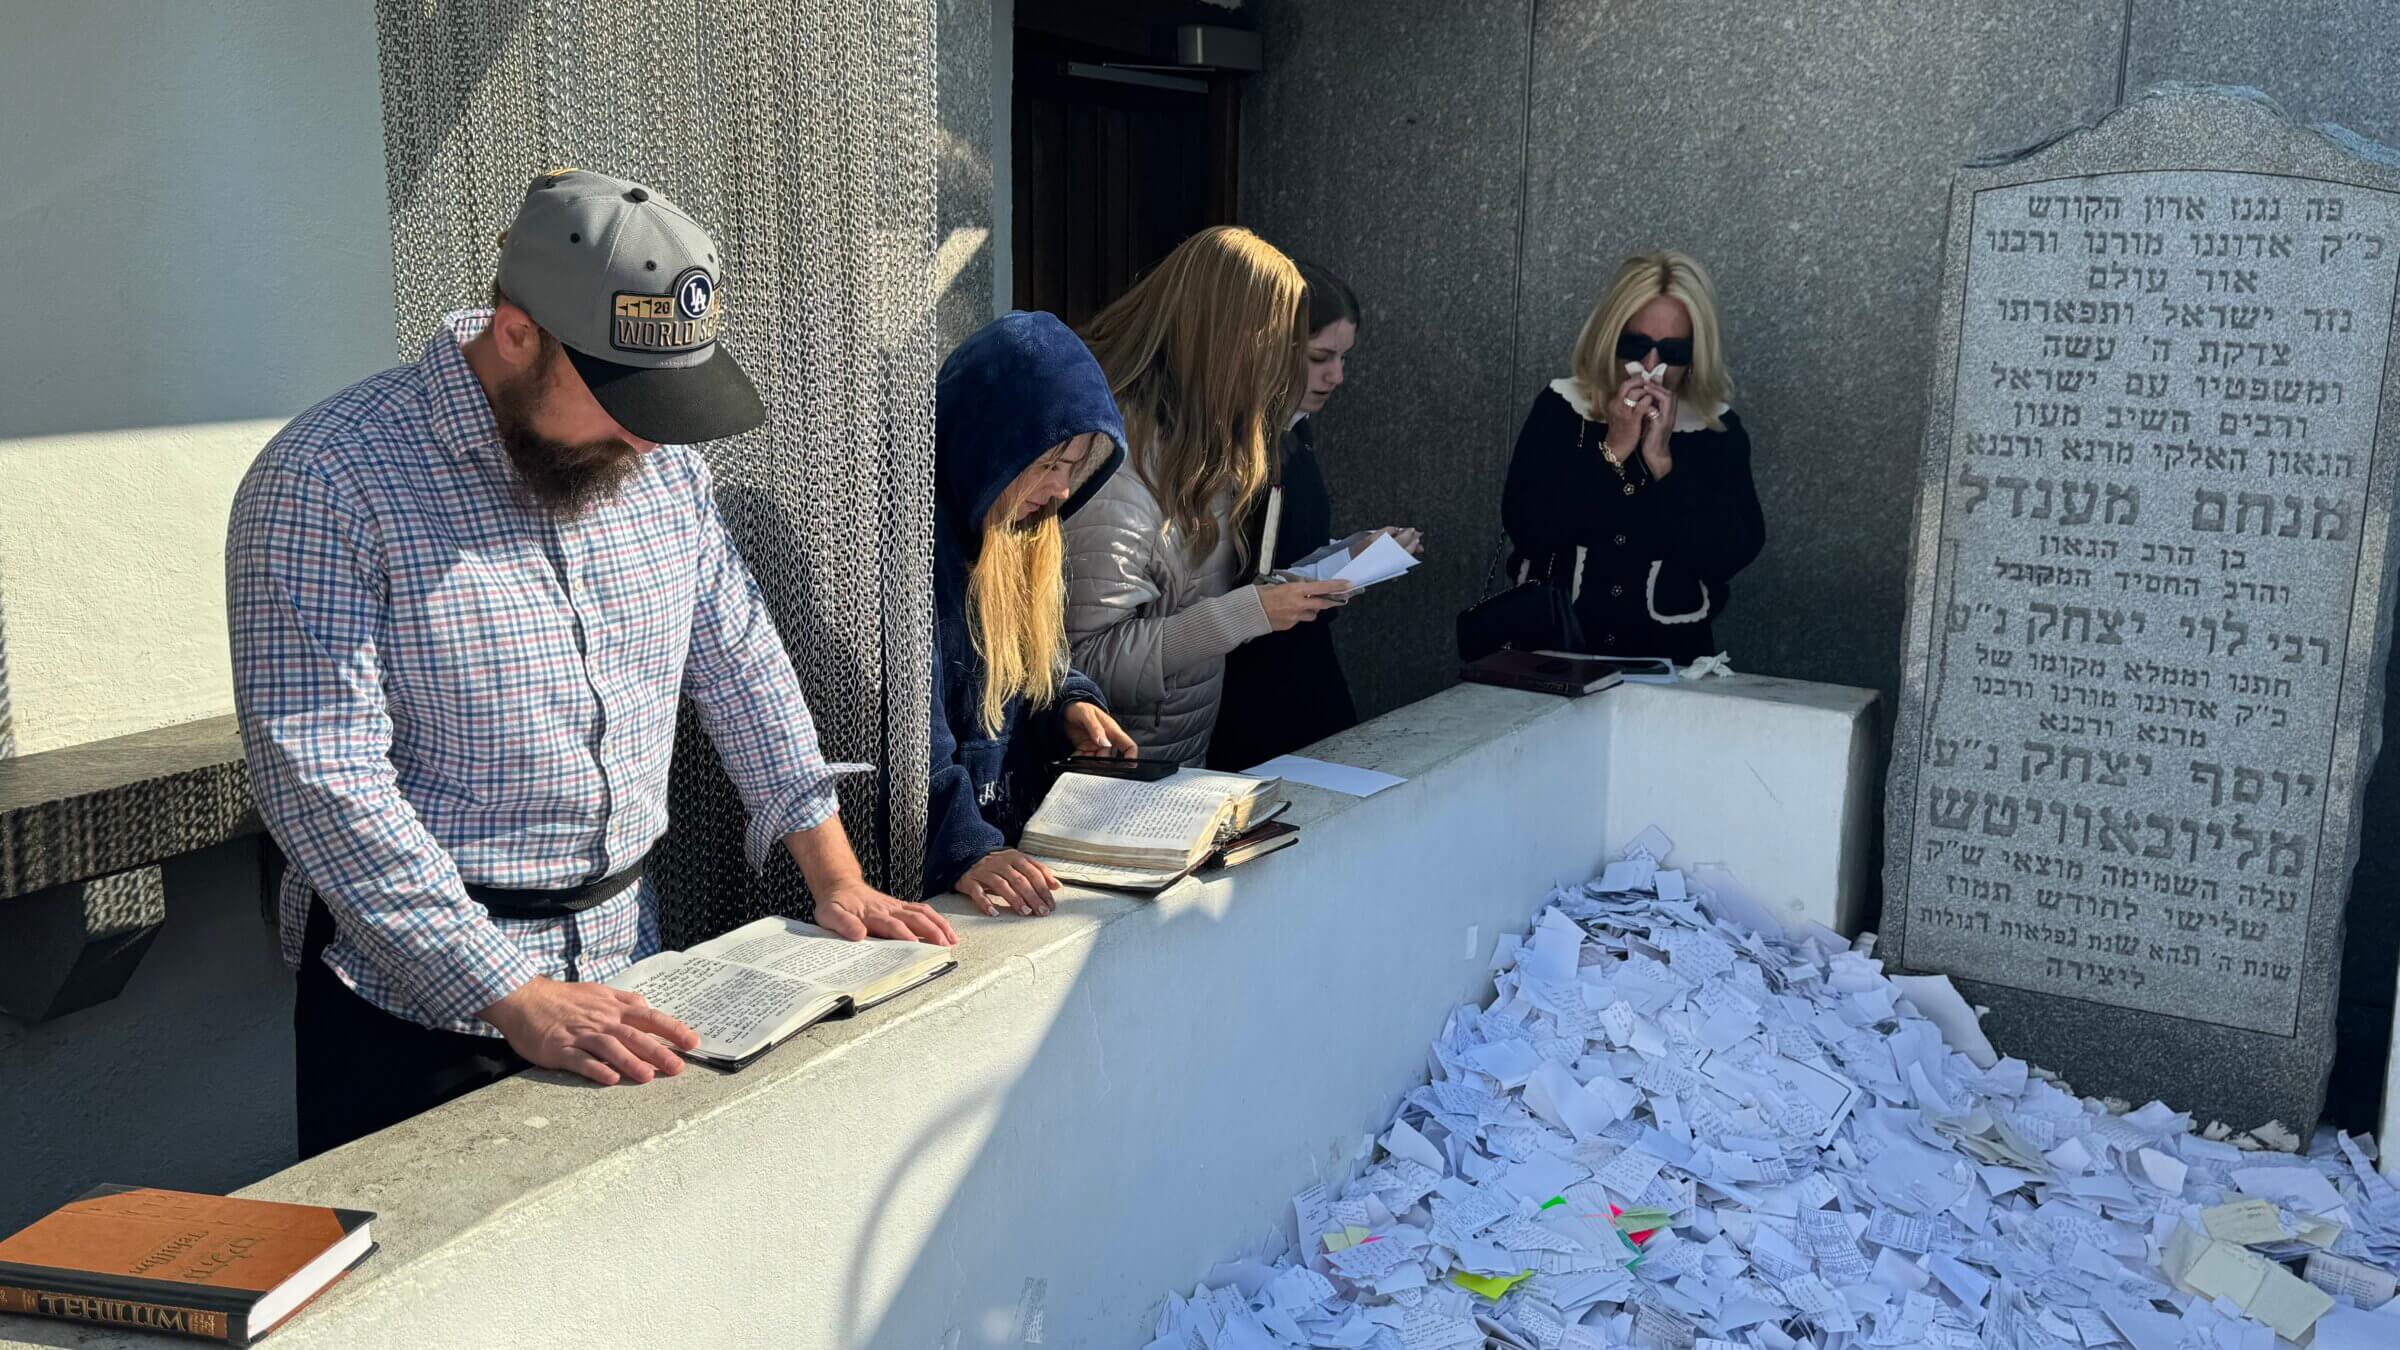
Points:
(562, 478)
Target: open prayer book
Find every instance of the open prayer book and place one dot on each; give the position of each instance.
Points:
(1134, 836)
(765, 982)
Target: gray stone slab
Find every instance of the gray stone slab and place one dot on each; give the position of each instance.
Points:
(2146, 644)
(1384, 140)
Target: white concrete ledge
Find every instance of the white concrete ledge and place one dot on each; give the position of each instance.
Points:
(1099, 1105)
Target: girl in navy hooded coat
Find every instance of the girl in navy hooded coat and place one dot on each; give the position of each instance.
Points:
(1025, 431)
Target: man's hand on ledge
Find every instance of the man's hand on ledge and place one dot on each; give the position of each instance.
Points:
(856, 910)
(607, 1035)
(847, 906)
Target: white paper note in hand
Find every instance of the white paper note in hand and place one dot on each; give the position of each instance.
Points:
(1317, 773)
(1379, 561)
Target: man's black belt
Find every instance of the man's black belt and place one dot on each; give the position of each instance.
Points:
(555, 904)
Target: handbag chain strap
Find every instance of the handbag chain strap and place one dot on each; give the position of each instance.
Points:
(1499, 555)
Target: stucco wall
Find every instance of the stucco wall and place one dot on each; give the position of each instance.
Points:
(195, 213)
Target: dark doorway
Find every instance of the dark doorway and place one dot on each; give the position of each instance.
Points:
(1115, 164)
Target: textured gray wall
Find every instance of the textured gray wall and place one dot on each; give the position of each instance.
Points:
(1476, 171)
(2323, 60)
(1806, 164)
(1385, 140)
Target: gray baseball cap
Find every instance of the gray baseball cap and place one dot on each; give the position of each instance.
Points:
(628, 284)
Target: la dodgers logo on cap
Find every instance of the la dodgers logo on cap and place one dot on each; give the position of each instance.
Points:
(695, 293)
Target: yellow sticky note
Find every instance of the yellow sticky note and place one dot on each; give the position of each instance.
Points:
(1490, 1286)
(1339, 1240)
(1354, 1235)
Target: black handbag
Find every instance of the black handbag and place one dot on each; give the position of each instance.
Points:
(1536, 614)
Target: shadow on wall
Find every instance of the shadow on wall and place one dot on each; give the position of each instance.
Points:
(999, 1261)
(1208, 1057)
(1131, 1151)
(184, 1080)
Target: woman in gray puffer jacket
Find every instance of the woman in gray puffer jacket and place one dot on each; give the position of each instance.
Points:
(1204, 357)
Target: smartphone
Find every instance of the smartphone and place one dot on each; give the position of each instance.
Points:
(1139, 770)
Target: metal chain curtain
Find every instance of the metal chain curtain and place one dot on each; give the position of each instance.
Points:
(8, 724)
(801, 134)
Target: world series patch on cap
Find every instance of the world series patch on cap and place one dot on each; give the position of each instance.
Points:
(628, 284)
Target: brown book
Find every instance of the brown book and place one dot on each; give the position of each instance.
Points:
(209, 1266)
(1560, 673)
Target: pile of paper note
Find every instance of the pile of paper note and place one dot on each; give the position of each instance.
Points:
(1671, 1129)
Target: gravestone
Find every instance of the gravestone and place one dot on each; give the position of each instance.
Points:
(2149, 600)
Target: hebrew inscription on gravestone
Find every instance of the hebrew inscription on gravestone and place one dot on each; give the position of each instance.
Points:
(2151, 580)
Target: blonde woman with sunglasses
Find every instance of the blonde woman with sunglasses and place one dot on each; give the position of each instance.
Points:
(1630, 488)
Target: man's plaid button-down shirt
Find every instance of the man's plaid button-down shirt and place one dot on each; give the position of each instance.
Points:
(440, 684)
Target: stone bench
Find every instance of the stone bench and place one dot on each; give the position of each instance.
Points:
(82, 833)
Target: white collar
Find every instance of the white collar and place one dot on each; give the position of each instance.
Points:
(1686, 417)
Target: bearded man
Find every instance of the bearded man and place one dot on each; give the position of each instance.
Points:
(464, 596)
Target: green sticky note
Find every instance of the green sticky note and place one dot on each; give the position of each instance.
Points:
(1490, 1286)
(1642, 1220)
(1554, 1202)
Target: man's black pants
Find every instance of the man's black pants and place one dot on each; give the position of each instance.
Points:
(358, 1069)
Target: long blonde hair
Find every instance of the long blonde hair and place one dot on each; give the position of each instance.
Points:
(1203, 355)
(1640, 280)
(1017, 611)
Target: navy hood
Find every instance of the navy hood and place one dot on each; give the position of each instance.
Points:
(1020, 385)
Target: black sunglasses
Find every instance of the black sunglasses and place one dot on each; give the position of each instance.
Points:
(1633, 346)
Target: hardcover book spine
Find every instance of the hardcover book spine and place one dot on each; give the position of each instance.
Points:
(117, 1312)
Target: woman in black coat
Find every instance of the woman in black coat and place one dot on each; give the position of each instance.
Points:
(1286, 691)
(1630, 487)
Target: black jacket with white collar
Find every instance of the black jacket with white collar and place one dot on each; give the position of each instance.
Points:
(1648, 561)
